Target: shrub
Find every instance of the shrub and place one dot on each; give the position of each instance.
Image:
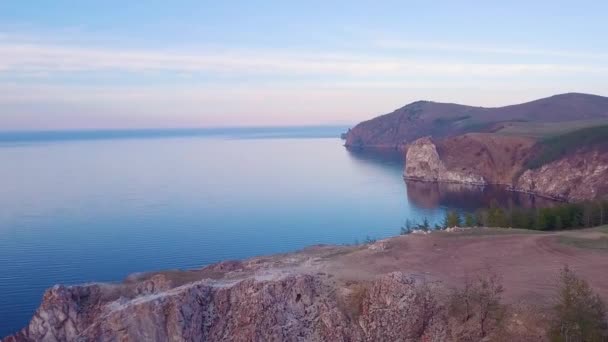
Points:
(469, 220)
(369, 240)
(410, 226)
(477, 307)
(452, 219)
(579, 314)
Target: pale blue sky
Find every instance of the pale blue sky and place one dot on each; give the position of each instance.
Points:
(125, 64)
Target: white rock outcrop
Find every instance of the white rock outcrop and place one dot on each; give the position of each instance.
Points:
(422, 163)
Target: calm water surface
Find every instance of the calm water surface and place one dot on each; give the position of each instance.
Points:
(97, 206)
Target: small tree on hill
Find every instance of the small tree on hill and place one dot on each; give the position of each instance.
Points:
(407, 228)
(602, 212)
(558, 223)
(452, 219)
(469, 220)
(497, 217)
(579, 314)
(425, 226)
(477, 307)
(481, 217)
(541, 222)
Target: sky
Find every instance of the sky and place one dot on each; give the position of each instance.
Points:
(156, 64)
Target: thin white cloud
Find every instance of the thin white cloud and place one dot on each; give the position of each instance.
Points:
(33, 58)
(485, 49)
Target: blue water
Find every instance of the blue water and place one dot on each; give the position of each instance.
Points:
(96, 206)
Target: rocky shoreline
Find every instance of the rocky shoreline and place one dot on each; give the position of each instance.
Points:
(506, 187)
(369, 292)
(579, 177)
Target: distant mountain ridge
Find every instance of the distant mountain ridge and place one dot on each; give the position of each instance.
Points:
(439, 120)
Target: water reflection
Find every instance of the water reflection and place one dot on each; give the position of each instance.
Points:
(469, 197)
(429, 196)
(382, 157)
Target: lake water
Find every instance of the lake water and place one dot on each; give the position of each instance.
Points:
(96, 206)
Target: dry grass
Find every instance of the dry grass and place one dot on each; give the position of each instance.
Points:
(487, 231)
(601, 229)
(600, 244)
(539, 130)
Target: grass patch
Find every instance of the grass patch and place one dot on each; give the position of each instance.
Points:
(479, 231)
(450, 121)
(340, 252)
(602, 229)
(544, 130)
(553, 148)
(596, 244)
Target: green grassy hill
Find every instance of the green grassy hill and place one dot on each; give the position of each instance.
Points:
(557, 146)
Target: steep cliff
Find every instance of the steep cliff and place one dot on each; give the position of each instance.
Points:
(423, 163)
(576, 177)
(483, 159)
(396, 289)
(293, 307)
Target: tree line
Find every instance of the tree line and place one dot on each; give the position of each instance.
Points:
(558, 217)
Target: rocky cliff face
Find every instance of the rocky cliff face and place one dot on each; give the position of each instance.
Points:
(482, 159)
(422, 163)
(290, 307)
(580, 176)
(397, 289)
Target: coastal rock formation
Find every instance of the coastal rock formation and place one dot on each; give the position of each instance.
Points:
(396, 289)
(422, 163)
(554, 147)
(496, 158)
(294, 307)
(474, 159)
(482, 159)
(579, 176)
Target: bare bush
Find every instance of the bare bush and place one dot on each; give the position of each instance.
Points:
(429, 309)
(579, 314)
(476, 309)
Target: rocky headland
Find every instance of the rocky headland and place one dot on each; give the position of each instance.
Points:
(396, 289)
(555, 147)
(439, 120)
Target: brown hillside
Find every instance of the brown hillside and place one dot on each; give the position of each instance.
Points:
(425, 118)
(495, 157)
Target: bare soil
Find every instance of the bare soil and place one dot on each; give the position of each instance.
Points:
(528, 261)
